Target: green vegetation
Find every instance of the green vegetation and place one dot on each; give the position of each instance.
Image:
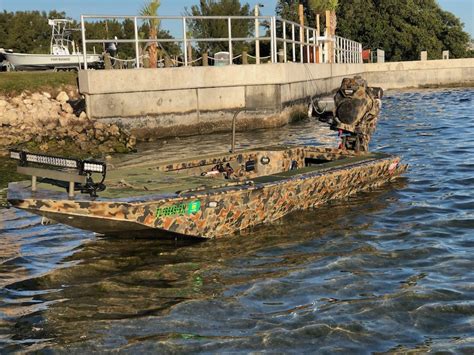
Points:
(218, 28)
(29, 32)
(402, 28)
(14, 83)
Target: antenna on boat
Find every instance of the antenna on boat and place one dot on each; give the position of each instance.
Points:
(232, 146)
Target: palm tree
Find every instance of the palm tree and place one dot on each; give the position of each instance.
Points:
(151, 9)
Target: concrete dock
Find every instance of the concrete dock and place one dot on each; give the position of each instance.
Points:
(194, 100)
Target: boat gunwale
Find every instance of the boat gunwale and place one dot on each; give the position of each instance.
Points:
(218, 190)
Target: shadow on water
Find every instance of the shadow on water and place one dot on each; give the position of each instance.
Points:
(387, 270)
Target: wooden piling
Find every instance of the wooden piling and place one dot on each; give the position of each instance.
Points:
(245, 58)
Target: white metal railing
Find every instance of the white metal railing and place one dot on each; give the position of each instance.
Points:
(347, 51)
(289, 41)
(304, 42)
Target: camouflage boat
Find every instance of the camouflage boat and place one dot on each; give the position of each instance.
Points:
(212, 196)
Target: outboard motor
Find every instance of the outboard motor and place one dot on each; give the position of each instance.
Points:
(356, 111)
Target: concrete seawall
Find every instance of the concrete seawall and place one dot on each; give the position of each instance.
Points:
(402, 75)
(194, 100)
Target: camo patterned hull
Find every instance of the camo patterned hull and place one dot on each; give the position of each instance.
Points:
(212, 212)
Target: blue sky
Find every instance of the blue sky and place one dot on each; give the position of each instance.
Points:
(74, 8)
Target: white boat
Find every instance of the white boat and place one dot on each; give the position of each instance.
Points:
(60, 57)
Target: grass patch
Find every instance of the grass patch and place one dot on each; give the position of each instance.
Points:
(8, 172)
(13, 83)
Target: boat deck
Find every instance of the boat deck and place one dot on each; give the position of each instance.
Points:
(141, 180)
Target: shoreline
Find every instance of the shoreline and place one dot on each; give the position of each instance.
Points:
(50, 117)
(57, 131)
(45, 124)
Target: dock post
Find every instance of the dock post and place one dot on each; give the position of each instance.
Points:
(107, 61)
(33, 183)
(71, 189)
(137, 50)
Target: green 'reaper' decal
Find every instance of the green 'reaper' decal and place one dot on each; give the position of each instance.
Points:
(175, 210)
(179, 209)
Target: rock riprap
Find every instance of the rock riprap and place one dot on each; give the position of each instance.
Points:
(39, 122)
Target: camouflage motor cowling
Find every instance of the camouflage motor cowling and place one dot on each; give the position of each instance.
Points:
(357, 107)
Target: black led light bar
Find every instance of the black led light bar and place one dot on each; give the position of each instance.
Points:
(84, 166)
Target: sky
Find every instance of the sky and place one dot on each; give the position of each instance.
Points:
(463, 9)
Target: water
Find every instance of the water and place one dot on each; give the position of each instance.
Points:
(389, 270)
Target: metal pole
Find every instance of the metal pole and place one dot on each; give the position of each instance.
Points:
(314, 46)
(257, 34)
(137, 51)
(275, 45)
(301, 44)
(334, 47)
(185, 43)
(307, 45)
(84, 47)
(229, 28)
(338, 48)
(342, 52)
(352, 52)
(284, 41)
(356, 46)
(349, 51)
(232, 145)
(348, 57)
(344, 47)
(272, 49)
(293, 41)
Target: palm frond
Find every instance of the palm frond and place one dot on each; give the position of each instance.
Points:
(150, 8)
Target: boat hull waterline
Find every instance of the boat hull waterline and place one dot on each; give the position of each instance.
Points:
(213, 212)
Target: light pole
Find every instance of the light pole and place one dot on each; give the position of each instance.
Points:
(257, 34)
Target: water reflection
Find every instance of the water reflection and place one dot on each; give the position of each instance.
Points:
(135, 278)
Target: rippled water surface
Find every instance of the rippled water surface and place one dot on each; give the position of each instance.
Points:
(388, 270)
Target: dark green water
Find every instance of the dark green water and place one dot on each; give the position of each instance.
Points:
(389, 270)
